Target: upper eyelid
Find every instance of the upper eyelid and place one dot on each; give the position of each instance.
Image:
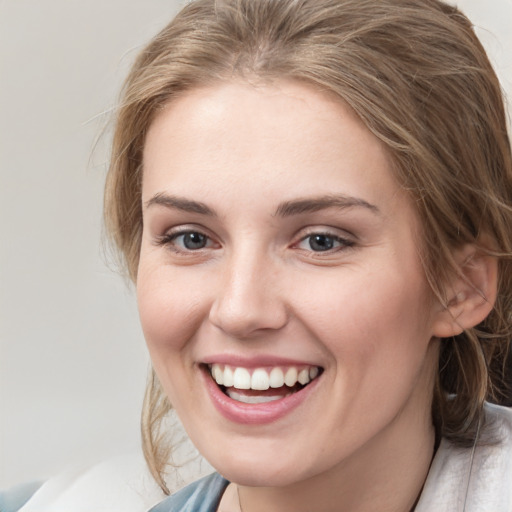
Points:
(187, 228)
(174, 232)
(325, 230)
(326, 234)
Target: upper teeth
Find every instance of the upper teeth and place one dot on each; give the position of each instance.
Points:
(260, 378)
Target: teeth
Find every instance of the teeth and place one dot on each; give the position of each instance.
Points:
(218, 374)
(303, 376)
(276, 378)
(241, 379)
(261, 379)
(228, 376)
(290, 378)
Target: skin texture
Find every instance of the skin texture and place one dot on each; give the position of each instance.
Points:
(362, 310)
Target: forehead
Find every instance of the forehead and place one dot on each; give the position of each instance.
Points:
(266, 142)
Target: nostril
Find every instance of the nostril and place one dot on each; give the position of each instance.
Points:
(247, 299)
(243, 320)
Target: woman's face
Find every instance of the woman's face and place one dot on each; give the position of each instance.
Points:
(277, 246)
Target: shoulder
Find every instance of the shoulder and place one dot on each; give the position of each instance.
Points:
(201, 496)
(120, 484)
(475, 478)
(13, 499)
(500, 418)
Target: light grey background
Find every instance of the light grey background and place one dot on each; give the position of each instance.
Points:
(72, 358)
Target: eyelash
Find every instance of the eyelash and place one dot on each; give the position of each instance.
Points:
(344, 243)
(169, 240)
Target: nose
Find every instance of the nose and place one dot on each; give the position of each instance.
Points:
(249, 299)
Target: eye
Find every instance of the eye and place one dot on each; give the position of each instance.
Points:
(323, 242)
(189, 240)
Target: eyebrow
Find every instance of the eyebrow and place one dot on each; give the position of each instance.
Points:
(180, 203)
(285, 209)
(315, 204)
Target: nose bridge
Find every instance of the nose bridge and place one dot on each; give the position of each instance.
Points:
(248, 299)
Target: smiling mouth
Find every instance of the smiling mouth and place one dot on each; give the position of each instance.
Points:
(262, 385)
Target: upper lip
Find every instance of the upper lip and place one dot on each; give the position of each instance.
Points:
(259, 361)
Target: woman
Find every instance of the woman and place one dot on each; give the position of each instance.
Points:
(314, 201)
(320, 194)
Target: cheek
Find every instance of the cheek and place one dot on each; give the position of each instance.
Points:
(170, 314)
(170, 311)
(377, 335)
(369, 317)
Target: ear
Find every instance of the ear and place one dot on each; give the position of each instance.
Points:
(471, 293)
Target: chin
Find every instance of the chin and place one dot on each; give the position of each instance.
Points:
(260, 475)
(262, 466)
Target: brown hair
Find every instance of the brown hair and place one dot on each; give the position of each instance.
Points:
(418, 77)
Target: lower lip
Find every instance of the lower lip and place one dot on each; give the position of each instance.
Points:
(255, 414)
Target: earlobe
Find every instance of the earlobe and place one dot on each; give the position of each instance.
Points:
(470, 295)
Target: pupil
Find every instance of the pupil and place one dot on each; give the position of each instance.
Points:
(321, 242)
(194, 240)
